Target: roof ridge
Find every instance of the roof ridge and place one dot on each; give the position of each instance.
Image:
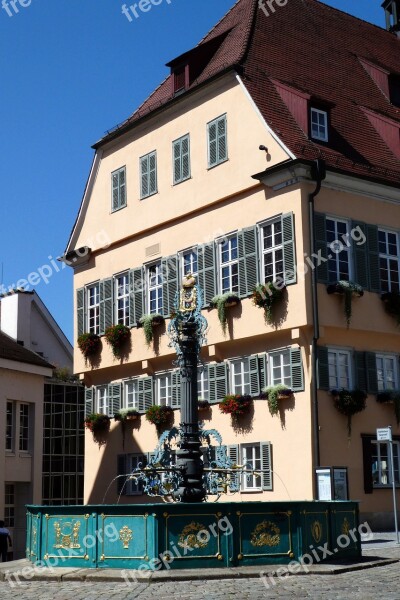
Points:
(219, 22)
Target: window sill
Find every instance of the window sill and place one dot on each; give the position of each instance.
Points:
(118, 209)
(387, 486)
(209, 168)
(149, 196)
(23, 454)
(255, 491)
(175, 183)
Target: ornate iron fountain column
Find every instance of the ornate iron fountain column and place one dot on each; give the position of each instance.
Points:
(187, 331)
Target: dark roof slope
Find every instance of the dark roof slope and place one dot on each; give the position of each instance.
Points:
(317, 50)
(10, 350)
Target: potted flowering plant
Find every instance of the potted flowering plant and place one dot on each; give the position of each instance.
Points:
(391, 397)
(116, 336)
(148, 322)
(159, 415)
(266, 296)
(203, 404)
(89, 344)
(349, 403)
(275, 393)
(235, 405)
(348, 289)
(97, 423)
(221, 303)
(127, 414)
(392, 304)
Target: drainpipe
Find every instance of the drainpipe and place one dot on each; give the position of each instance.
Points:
(318, 173)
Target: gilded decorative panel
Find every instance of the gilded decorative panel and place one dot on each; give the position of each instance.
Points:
(194, 536)
(66, 537)
(124, 537)
(265, 534)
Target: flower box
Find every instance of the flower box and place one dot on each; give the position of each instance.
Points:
(89, 344)
(127, 414)
(236, 405)
(149, 322)
(274, 394)
(117, 336)
(97, 423)
(221, 303)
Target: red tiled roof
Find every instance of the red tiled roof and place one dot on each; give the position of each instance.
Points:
(317, 50)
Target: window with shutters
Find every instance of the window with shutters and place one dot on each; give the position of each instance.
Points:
(133, 462)
(339, 363)
(202, 383)
(131, 394)
(389, 260)
(163, 383)
(181, 159)
(382, 466)
(387, 372)
(229, 265)
(189, 262)
(118, 183)
(217, 141)
(272, 250)
(102, 400)
(121, 294)
(339, 250)
(240, 376)
(93, 308)
(155, 289)
(319, 124)
(10, 427)
(251, 457)
(148, 175)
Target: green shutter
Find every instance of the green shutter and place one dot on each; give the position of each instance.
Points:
(323, 368)
(222, 144)
(176, 389)
(212, 144)
(122, 188)
(289, 251)
(361, 372)
(233, 453)
(185, 152)
(144, 176)
(121, 471)
(88, 401)
(114, 396)
(217, 381)
(80, 311)
(169, 270)
(207, 271)
(153, 173)
(106, 304)
(136, 295)
(145, 393)
(254, 373)
(266, 466)
(115, 191)
(321, 245)
(373, 259)
(367, 447)
(360, 257)
(372, 373)
(248, 260)
(296, 369)
(262, 366)
(177, 161)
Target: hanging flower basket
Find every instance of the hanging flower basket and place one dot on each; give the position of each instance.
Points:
(275, 394)
(349, 403)
(203, 404)
(149, 322)
(391, 397)
(348, 289)
(98, 424)
(127, 414)
(159, 415)
(221, 303)
(392, 304)
(89, 344)
(266, 296)
(117, 336)
(236, 405)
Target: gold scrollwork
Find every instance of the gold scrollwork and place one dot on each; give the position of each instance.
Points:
(188, 299)
(265, 534)
(67, 535)
(317, 531)
(125, 535)
(190, 536)
(34, 536)
(345, 527)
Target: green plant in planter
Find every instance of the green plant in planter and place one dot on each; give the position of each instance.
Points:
(275, 393)
(391, 397)
(116, 336)
(98, 423)
(203, 404)
(159, 415)
(392, 304)
(221, 303)
(266, 296)
(148, 322)
(235, 405)
(348, 289)
(349, 403)
(89, 344)
(126, 414)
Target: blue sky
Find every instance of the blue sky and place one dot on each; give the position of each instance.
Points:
(71, 69)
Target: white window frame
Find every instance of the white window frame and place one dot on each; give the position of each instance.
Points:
(384, 256)
(160, 379)
(131, 394)
(102, 400)
(193, 262)
(24, 427)
(337, 352)
(232, 264)
(340, 243)
(154, 288)
(240, 367)
(284, 363)
(321, 133)
(383, 381)
(93, 308)
(385, 476)
(179, 142)
(203, 385)
(131, 488)
(9, 507)
(248, 454)
(123, 298)
(121, 189)
(276, 248)
(10, 426)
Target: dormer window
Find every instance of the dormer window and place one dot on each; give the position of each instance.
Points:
(394, 89)
(319, 124)
(180, 77)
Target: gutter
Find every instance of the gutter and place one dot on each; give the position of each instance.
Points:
(318, 173)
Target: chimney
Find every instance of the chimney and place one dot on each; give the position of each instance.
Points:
(392, 12)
